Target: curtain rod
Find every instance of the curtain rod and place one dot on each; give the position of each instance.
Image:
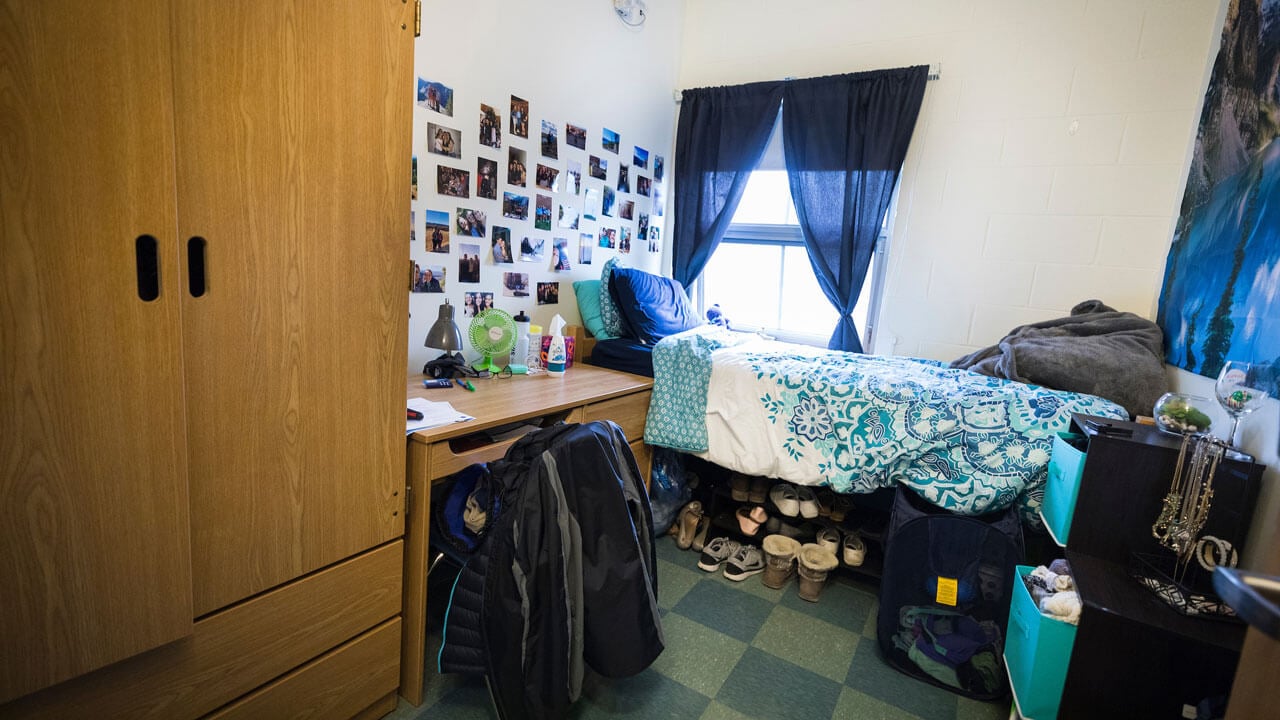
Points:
(935, 73)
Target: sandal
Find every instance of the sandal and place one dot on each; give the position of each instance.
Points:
(688, 520)
(750, 519)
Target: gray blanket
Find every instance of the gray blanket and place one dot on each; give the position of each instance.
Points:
(1096, 350)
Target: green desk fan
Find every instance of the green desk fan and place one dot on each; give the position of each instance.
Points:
(492, 332)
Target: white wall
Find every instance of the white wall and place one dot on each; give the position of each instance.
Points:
(1047, 163)
(575, 62)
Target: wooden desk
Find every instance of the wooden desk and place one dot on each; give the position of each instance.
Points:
(583, 394)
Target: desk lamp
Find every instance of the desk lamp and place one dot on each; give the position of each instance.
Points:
(444, 334)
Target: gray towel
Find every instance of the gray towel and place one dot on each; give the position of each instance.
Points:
(1096, 350)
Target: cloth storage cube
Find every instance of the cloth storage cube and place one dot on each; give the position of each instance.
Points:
(1066, 466)
(944, 595)
(1036, 653)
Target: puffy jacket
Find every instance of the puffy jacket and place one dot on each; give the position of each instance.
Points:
(564, 577)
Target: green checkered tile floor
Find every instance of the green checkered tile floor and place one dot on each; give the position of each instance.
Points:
(741, 650)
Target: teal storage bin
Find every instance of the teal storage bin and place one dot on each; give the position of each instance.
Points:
(1037, 651)
(1066, 464)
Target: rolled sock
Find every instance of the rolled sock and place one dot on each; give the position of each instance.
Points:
(1060, 567)
(1063, 583)
(1064, 605)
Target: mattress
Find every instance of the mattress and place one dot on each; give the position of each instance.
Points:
(623, 354)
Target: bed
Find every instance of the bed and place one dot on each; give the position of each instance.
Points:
(963, 441)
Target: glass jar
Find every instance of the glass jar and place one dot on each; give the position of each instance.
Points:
(1180, 413)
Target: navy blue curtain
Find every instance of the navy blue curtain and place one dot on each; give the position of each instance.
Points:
(720, 137)
(845, 137)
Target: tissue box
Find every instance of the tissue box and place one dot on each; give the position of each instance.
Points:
(568, 350)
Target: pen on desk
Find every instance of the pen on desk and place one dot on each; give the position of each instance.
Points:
(466, 384)
(413, 414)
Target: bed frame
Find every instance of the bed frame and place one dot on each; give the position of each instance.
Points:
(584, 341)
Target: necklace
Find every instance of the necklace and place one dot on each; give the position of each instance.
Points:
(1186, 507)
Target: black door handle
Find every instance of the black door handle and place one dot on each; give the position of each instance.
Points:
(145, 251)
(196, 266)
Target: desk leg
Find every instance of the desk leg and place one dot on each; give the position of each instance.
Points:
(413, 640)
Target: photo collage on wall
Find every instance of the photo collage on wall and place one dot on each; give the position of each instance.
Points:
(617, 201)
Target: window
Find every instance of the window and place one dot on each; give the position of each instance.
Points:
(760, 273)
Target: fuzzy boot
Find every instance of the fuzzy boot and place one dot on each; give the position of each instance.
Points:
(815, 562)
(779, 560)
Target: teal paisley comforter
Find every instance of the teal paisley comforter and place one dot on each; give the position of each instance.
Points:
(965, 442)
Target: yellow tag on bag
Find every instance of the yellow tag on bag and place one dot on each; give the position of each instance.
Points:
(948, 590)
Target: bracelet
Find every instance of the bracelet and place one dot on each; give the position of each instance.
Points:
(1212, 552)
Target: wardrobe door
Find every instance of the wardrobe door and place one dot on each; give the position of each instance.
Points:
(293, 131)
(94, 550)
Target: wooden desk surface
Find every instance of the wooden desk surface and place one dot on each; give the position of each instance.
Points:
(498, 401)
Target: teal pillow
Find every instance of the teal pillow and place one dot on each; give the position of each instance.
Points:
(609, 313)
(588, 294)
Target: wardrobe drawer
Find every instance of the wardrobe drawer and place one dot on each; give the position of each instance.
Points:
(233, 651)
(629, 411)
(338, 684)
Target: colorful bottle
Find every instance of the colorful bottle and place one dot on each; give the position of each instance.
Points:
(556, 354)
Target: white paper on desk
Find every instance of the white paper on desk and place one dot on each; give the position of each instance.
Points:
(434, 414)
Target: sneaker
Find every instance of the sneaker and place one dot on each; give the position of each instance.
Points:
(746, 562)
(739, 487)
(716, 552)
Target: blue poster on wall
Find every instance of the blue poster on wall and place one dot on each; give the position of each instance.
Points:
(1222, 278)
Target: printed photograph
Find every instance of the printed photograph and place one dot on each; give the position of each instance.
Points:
(516, 166)
(531, 249)
(592, 208)
(437, 231)
(474, 303)
(575, 136)
(609, 141)
(490, 127)
(597, 168)
(655, 206)
(472, 223)
(546, 177)
(413, 227)
(548, 293)
(435, 96)
(469, 263)
(641, 157)
(608, 238)
(642, 228)
(568, 217)
(486, 178)
(542, 214)
(624, 180)
(654, 245)
(413, 182)
(560, 255)
(427, 278)
(586, 241)
(453, 182)
(657, 168)
(624, 240)
(501, 245)
(627, 210)
(573, 177)
(519, 117)
(606, 205)
(444, 140)
(642, 185)
(515, 206)
(550, 141)
(515, 284)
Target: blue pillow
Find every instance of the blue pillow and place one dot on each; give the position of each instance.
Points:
(614, 325)
(653, 306)
(588, 294)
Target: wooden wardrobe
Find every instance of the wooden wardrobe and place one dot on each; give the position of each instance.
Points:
(203, 322)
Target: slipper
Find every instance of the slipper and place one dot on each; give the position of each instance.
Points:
(841, 507)
(808, 502)
(784, 498)
(688, 522)
(759, 488)
(738, 487)
(828, 539)
(855, 551)
(751, 518)
(826, 499)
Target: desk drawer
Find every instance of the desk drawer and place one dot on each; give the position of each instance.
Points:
(629, 411)
(446, 460)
